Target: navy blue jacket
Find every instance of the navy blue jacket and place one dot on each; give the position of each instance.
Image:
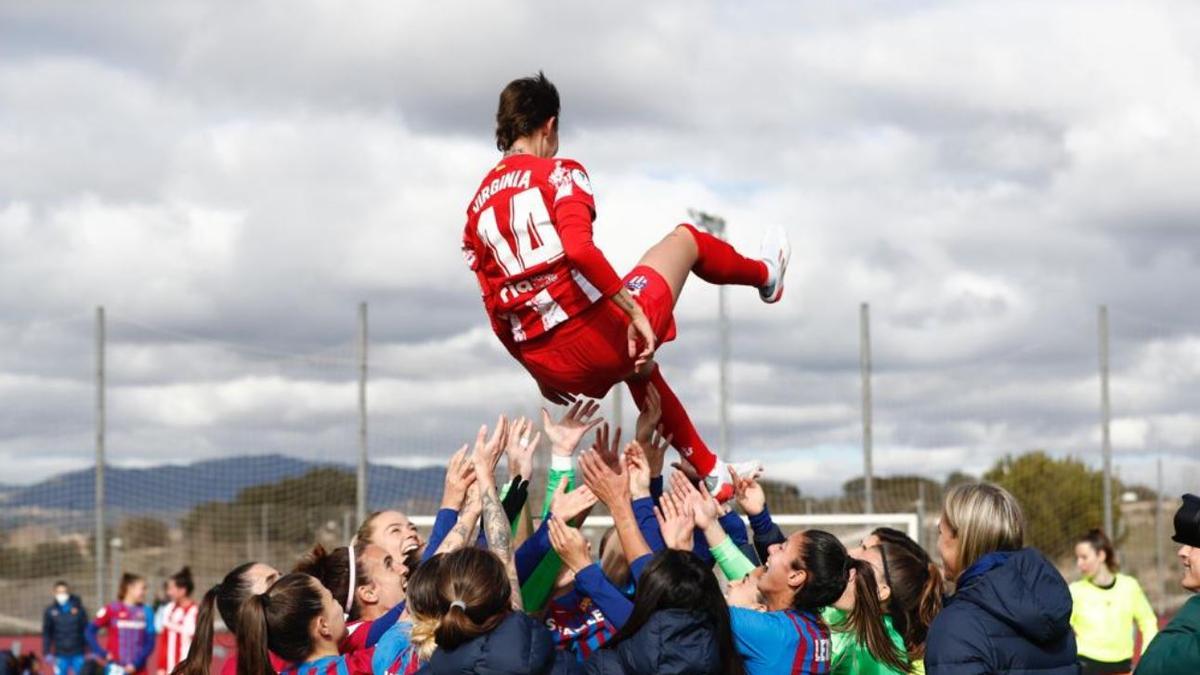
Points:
(1010, 616)
(62, 629)
(519, 645)
(672, 641)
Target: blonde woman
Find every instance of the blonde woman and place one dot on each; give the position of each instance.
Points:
(1011, 609)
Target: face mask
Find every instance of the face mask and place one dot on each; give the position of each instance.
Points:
(62, 598)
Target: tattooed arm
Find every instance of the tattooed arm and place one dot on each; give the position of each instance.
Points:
(463, 531)
(495, 522)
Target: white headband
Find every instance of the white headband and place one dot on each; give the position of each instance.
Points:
(353, 580)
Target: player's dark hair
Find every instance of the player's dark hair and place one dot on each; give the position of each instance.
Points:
(1100, 542)
(679, 580)
(127, 579)
(278, 621)
(332, 569)
(828, 564)
(226, 599)
(183, 579)
(916, 583)
(62, 583)
(476, 578)
(525, 105)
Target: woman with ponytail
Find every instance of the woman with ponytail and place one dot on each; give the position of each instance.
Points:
(409, 644)
(225, 599)
(1105, 605)
(916, 586)
(298, 619)
(864, 638)
(480, 630)
(179, 621)
(378, 577)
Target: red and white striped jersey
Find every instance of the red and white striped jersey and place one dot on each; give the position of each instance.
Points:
(179, 626)
(515, 243)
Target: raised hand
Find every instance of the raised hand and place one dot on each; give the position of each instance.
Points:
(650, 416)
(639, 471)
(610, 486)
(460, 476)
(676, 522)
(569, 505)
(705, 509)
(520, 448)
(686, 469)
(570, 545)
(749, 494)
(608, 446)
(656, 451)
(566, 433)
(488, 450)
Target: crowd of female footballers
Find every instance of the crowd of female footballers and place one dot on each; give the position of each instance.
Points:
(489, 593)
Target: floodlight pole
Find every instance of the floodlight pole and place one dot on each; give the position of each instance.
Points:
(99, 468)
(361, 479)
(716, 225)
(864, 363)
(1105, 422)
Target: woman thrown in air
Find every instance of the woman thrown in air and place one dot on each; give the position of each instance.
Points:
(554, 300)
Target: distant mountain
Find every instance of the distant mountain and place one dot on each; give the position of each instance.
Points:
(175, 489)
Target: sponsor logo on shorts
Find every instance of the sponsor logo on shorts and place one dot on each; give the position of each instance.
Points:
(636, 284)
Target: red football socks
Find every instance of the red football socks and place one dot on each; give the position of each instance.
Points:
(719, 263)
(675, 422)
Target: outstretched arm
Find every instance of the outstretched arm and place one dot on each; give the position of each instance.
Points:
(495, 522)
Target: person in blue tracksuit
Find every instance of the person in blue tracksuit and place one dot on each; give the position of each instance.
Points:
(1011, 610)
(63, 625)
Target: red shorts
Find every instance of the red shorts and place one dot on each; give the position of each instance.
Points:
(589, 353)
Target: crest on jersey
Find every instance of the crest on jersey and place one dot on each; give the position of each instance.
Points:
(579, 178)
(636, 284)
(560, 178)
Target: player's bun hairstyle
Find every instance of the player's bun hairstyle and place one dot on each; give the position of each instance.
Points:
(183, 579)
(916, 583)
(474, 585)
(679, 580)
(332, 570)
(225, 598)
(1100, 543)
(525, 105)
(278, 621)
(426, 605)
(127, 579)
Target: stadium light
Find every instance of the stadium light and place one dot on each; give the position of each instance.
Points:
(716, 225)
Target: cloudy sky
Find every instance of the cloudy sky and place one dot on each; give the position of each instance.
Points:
(231, 179)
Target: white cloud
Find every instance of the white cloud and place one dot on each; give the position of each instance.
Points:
(232, 181)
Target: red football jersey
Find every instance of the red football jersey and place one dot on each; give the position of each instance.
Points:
(513, 243)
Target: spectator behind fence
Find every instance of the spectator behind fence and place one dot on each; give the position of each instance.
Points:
(1105, 605)
(1011, 610)
(1177, 648)
(178, 625)
(63, 625)
(128, 624)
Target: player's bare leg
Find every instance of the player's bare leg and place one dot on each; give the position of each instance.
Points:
(684, 251)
